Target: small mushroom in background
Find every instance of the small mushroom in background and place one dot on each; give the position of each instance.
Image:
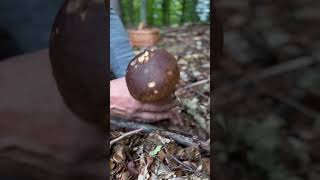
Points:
(152, 77)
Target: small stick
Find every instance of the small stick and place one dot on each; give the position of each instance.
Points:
(194, 84)
(188, 168)
(269, 72)
(121, 123)
(141, 25)
(179, 138)
(296, 105)
(201, 94)
(125, 135)
(283, 67)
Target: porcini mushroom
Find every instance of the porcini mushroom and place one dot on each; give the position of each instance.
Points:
(152, 75)
(79, 60)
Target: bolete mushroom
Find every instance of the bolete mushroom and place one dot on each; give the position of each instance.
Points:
(152, 75)
(79, 60)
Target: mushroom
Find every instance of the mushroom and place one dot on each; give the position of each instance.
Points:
(152, 75)
(79, 60)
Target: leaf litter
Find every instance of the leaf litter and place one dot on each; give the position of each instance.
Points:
(151, 156)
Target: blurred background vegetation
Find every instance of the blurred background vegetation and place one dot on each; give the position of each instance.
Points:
(162, 12)
(267, 95)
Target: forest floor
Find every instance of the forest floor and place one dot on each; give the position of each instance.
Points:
(159, 155)
(267, 91)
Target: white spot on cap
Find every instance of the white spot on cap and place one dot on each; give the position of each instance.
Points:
(146, 59)
(151, 84)
(145, 71)
(155, 91)
(141, 59)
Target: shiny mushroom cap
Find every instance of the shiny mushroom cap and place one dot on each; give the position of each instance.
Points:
(152, 75)
(78, 58)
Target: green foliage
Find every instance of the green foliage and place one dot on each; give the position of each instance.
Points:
(159, 12)
(175, 11)
(192, 108)
(155, 151)
(150, 9)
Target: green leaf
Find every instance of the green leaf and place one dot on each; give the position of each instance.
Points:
(155, 151)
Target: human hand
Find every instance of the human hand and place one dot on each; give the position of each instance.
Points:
(122, 104)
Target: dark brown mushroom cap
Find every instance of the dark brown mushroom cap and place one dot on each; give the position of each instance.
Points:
(152, 75)
(79, 60)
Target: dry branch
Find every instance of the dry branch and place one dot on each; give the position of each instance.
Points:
(294, 104)
(125, 135)
(194, 84)
(181, 139)
(269, 72)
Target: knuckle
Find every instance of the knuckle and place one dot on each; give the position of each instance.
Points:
(155, 117)
(130, 113)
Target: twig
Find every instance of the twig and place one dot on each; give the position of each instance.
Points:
(201, 94)
(179, 138)
(298, 106)
(269, 72)
(194, 84)
(284, 67)
(125, 135)
(120, 123)
(188, 168)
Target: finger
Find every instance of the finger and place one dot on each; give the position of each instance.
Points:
(176, 118)
(157, 107)
(152, 117)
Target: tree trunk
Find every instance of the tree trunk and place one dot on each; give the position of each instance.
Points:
(182, 19)
(150, 12)
(143, 11)
(194, 16)
(165, 12)
(130, 13)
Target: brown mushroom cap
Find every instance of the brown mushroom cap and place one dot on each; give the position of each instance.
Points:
(78, 58)
(152, 75)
